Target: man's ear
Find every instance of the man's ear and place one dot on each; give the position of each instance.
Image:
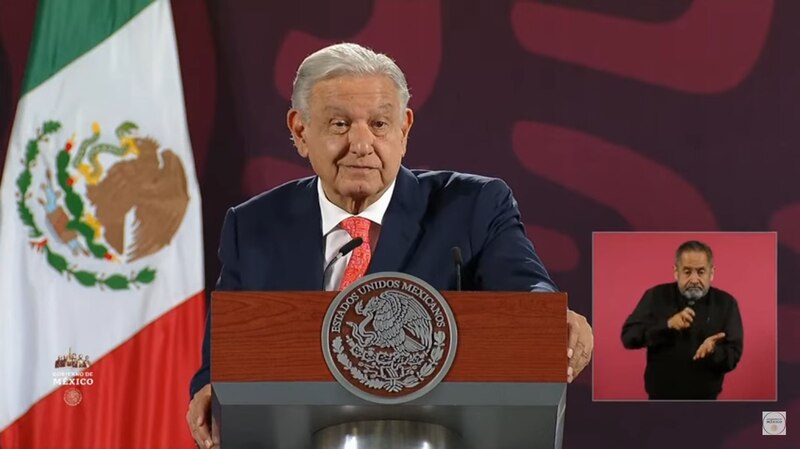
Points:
(294, 121)
(405, 127)
(675, 271)
(711, 276)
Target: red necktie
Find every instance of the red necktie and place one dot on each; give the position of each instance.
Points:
(360, 257)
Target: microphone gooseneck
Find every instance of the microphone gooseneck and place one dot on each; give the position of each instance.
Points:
(458, 262)
(350, 246)
(346, 249)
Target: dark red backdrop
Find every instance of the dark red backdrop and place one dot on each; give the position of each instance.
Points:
(613, 115)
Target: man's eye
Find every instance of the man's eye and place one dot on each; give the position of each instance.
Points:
(339, 126)
(380, 124)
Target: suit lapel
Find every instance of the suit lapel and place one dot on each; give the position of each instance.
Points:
(400, 229)
(305, 237)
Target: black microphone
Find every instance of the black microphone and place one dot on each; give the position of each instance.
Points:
(343, 251)
(458, 262)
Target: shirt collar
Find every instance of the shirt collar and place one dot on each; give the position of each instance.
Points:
(332, 214)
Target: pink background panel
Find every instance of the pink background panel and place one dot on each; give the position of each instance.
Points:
(627, 264)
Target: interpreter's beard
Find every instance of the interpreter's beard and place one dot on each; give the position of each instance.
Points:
(694, 292)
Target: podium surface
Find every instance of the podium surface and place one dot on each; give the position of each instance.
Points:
(506, 388)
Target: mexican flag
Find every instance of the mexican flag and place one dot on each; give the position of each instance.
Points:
(101, 275)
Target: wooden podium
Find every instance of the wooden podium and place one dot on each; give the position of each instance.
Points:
(272, 388)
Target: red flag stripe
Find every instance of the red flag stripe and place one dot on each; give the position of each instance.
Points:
(139, 397)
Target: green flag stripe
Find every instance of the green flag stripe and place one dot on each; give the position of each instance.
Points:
(66, 29)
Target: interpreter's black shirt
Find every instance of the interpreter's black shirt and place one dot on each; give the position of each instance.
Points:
(671, 373)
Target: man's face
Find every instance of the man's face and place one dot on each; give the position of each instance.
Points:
(694, 274)
(355, 137)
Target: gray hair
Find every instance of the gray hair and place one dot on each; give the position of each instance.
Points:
(342, 60)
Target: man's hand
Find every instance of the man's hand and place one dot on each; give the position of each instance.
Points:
(681, 320)
(199, 417)
(580, 344)
(708, 346)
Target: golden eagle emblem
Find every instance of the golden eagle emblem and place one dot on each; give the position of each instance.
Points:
(118, 202)
(153, 187)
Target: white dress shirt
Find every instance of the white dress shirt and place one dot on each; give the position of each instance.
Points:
(334, 237)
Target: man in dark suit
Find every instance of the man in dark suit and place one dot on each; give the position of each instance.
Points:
(350, 119)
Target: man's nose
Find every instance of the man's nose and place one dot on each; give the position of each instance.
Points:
(361, 139)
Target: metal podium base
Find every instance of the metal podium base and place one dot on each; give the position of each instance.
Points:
(387, 434)
(490, 415)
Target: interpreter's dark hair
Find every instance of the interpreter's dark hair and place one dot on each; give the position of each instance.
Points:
(694, 245)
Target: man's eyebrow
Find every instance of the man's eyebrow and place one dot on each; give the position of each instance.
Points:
(334, 109)
(385, 107)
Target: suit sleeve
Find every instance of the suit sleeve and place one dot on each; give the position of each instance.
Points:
(506, 258)
(229, 279)
(728, 352)
(644, 328)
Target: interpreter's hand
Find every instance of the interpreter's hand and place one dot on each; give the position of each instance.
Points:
(580, 344)
(708, 346)
(681, 320)
(199, 417)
